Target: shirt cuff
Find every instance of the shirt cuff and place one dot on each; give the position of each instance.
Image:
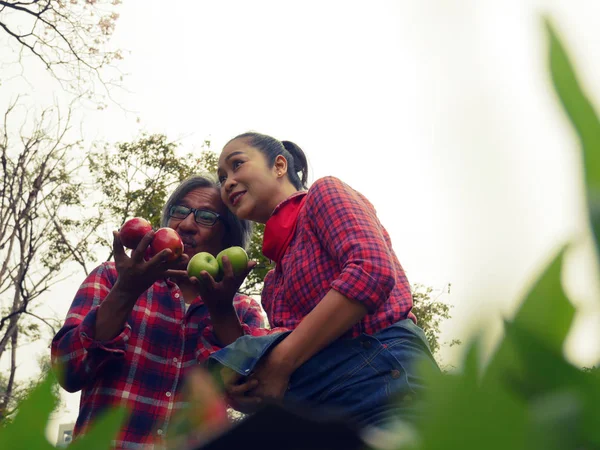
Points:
(254, 331)
(356, 284)
(87, 332)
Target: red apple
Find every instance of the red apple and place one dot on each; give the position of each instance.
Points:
(132, 232)
(167, 238)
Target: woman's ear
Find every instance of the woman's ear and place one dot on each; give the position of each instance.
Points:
(280, 165)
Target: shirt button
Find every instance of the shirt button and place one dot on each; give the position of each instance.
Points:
(159, 432)
(168, 394)
(395, 374)
(176, 295)
(183, 326)
(174, 360)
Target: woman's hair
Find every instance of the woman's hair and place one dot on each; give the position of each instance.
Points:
(237, 231)
(272, 148)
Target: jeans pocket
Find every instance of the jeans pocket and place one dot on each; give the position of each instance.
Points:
(409, 353)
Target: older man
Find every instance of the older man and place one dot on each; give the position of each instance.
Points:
(136, 327)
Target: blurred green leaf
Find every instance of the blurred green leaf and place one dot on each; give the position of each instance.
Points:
(461, 413)
(584, 119)
(28, 429)
(546, 377)
(101, 435)
(547, 312)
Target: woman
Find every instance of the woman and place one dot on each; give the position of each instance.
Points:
(337, 288)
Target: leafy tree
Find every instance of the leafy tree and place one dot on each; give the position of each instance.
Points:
(39, 191)
(67, 37)
(135, 179)
(430, 313)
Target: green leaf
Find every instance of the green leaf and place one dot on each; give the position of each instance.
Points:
(27, 431)
(104, 431)
(547, 312)
(544, 378)
(460, 413)
(584, 119)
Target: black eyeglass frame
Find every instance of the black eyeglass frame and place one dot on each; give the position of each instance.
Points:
(196, 211)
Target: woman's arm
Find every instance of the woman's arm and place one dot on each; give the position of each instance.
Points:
(332, 317)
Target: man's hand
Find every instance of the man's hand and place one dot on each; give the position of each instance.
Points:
(135, 274)
(218, 297)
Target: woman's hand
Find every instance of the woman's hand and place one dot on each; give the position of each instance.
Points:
(238, 392)
(272, 375)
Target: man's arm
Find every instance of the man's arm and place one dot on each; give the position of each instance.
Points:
(96, 328)
(76, 355)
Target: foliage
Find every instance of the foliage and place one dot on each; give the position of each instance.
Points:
(10, 398)
(430, 313)
(136, 178)
(254, 282)
(27, 429)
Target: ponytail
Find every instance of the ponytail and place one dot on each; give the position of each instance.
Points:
(299, 164)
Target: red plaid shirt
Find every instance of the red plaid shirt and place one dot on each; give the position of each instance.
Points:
(339, 244)
(143, 367)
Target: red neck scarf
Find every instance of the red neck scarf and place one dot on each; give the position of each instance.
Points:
(281, 226)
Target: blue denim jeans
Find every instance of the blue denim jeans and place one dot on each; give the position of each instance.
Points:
(370, 379)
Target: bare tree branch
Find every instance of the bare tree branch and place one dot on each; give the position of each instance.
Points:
(41, 228)
(69, 38)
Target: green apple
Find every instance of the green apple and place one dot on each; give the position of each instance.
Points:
(203, 261)
(238, 258)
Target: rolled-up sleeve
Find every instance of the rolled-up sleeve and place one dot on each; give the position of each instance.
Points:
(76, 355)
(347, 226)
(252, 318)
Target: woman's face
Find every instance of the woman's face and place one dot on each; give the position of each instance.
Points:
(249, 188)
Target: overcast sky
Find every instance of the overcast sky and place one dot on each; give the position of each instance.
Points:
(441, 112)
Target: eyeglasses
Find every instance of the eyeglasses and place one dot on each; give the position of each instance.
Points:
(202, 216)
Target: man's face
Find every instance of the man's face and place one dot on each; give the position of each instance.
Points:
(198, 237)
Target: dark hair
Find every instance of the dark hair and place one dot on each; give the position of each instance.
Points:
(238, 231)
(272, 148)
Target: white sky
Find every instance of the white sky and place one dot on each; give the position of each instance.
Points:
(440, 112)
